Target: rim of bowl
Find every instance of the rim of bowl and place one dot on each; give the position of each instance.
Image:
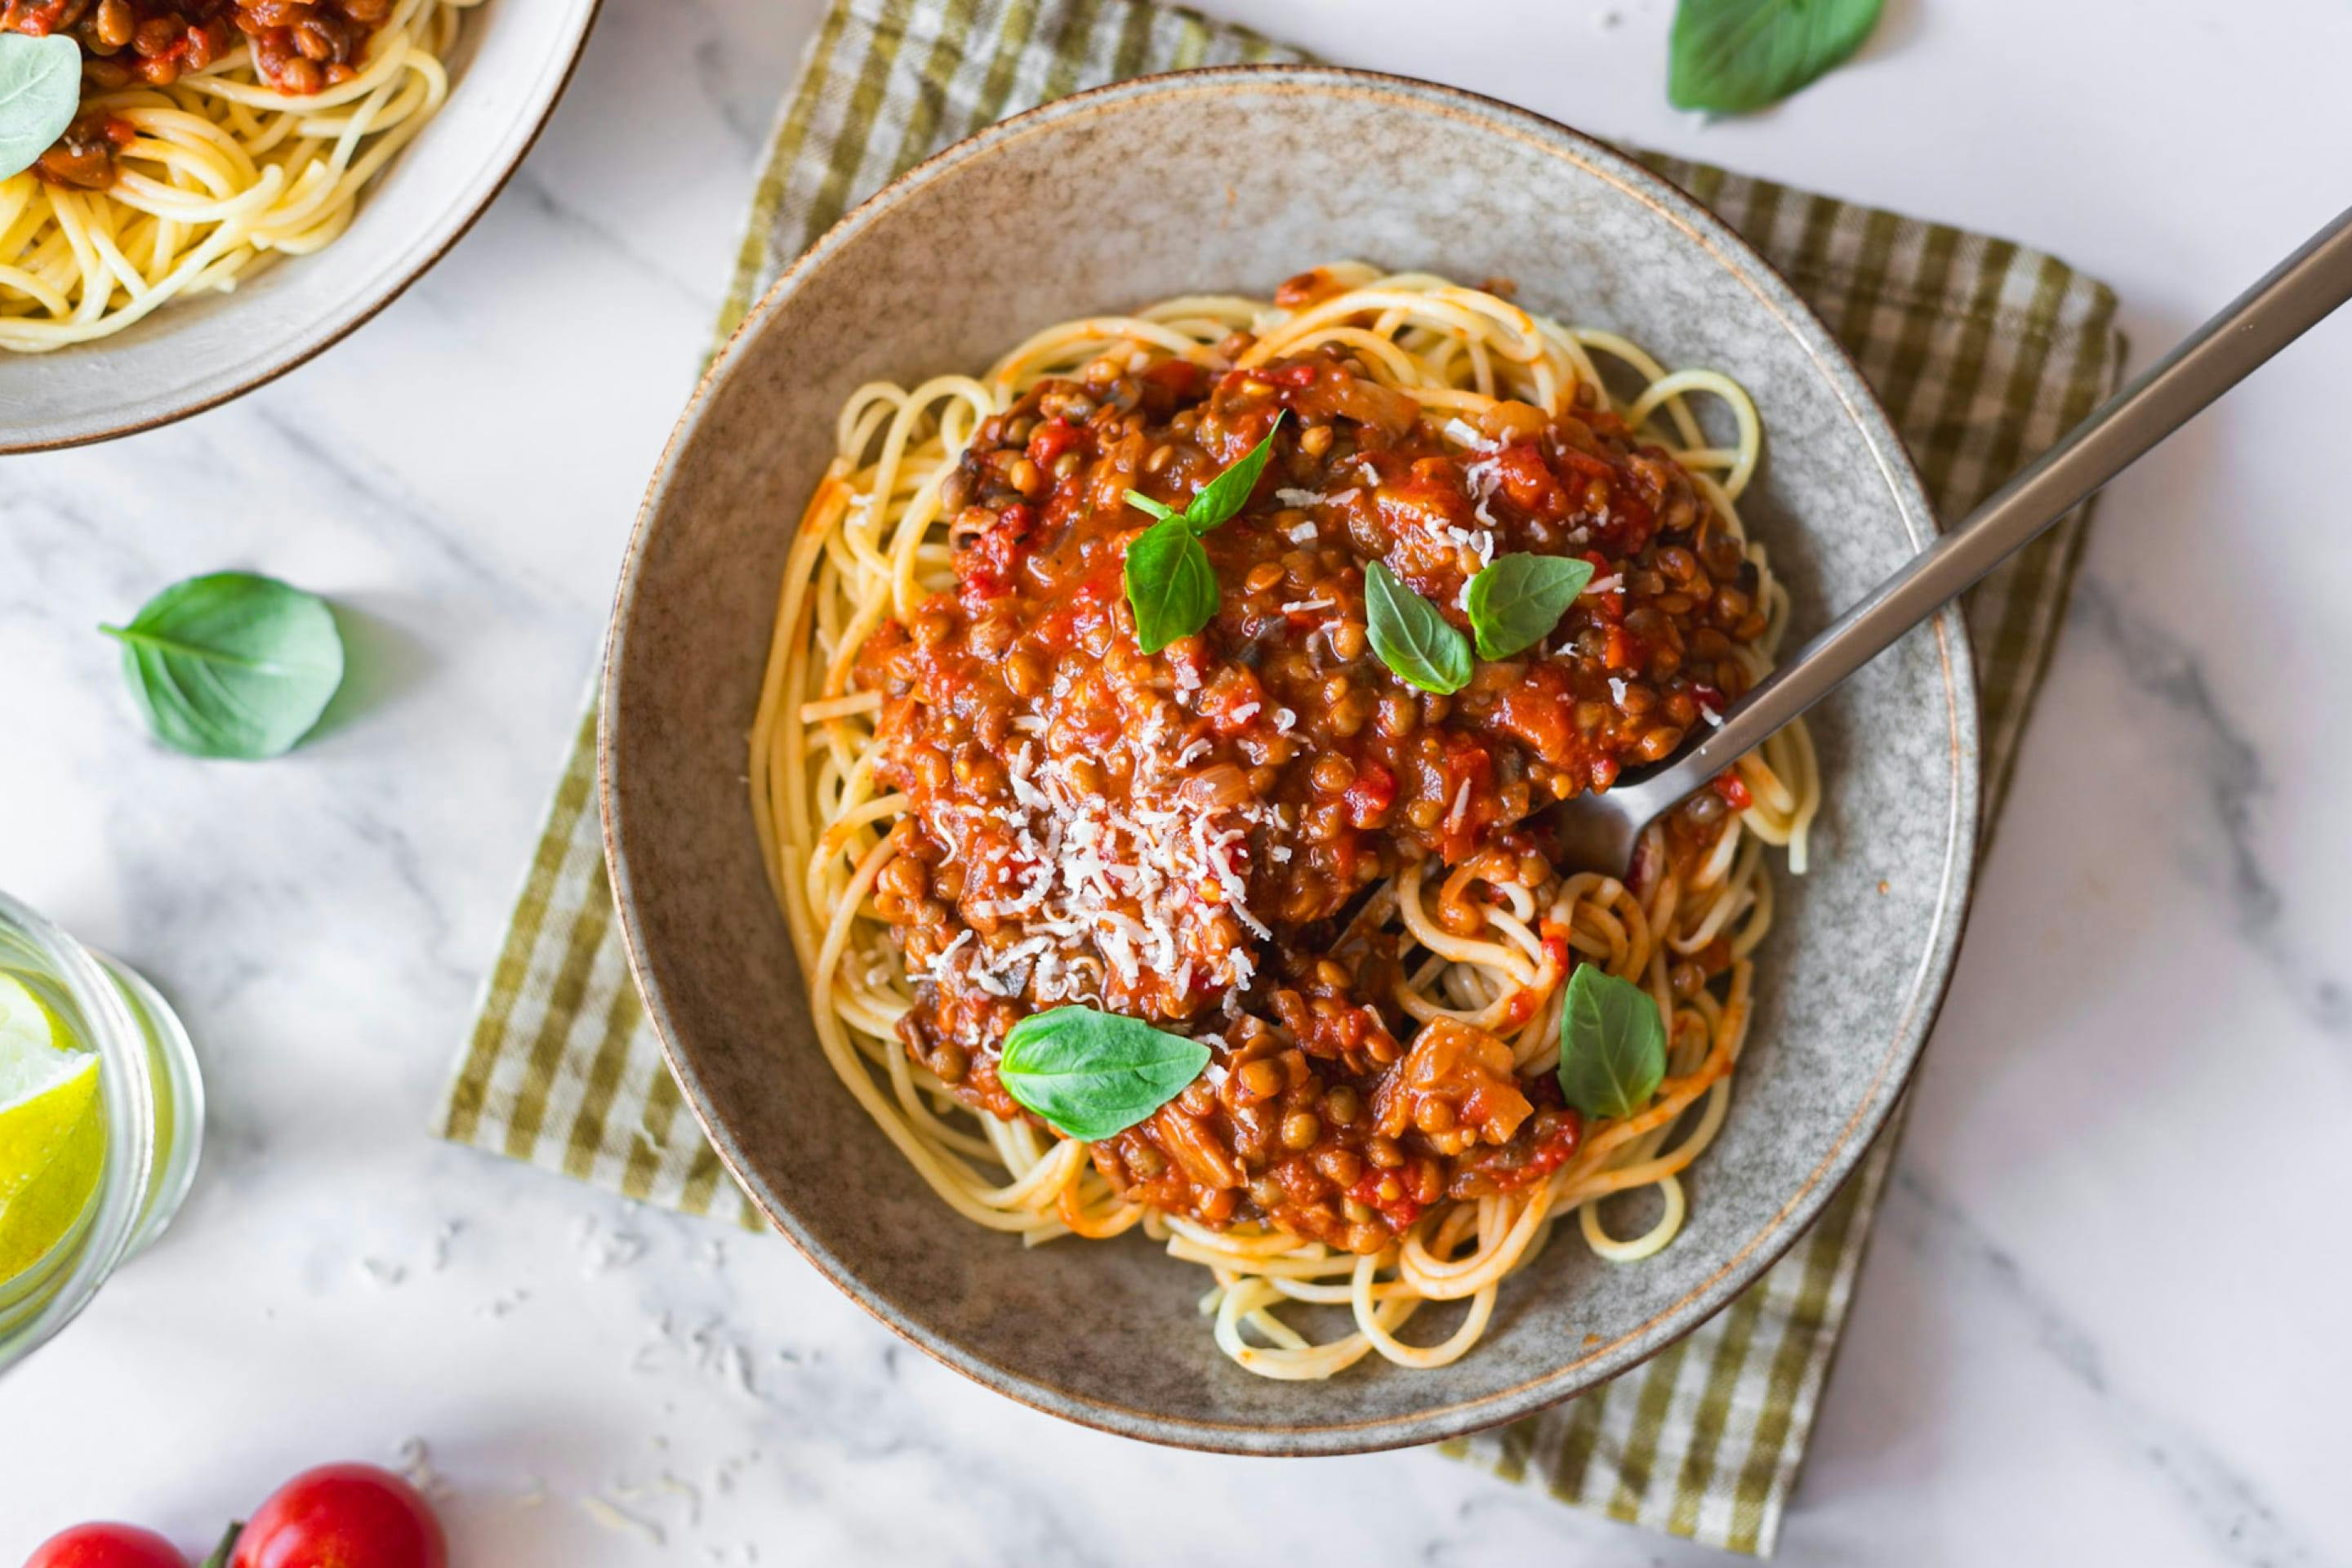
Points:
(401, 284)
(1772, 291)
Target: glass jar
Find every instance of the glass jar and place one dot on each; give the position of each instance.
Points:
(151, 1106)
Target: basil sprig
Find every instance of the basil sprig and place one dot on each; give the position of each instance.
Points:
(40, 92)
(232, 664)
(1612, 1044)
(1517, 600)
(1733, 55)
(1170, 586)
(1094, 1075)
(1410, 637)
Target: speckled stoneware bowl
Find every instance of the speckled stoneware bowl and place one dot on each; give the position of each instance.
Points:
(1234, 179)
(510, 63)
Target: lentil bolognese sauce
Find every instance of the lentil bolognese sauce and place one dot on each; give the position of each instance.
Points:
(214, 136)
(1278, 889)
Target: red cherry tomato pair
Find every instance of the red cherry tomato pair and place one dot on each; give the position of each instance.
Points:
(337, 1516)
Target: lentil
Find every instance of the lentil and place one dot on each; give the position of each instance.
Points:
(1016, 705)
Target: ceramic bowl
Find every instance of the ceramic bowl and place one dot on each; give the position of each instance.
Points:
(510, 63)
(1234, 179)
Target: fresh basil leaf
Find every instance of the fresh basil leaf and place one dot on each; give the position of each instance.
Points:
(1157, 509)
(40, 92)
(1733, 55)
(1094, 1075)
(1612, 1045)
(1170, 586)
(1226, 494)
(231, 664)
(1514, 603)
(1410, 637)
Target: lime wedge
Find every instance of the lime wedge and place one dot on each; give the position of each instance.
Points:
(52, 1133)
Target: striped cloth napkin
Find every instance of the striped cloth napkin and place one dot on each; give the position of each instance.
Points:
(1984, 353)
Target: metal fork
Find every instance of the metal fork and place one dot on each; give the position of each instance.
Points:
(1600, 831)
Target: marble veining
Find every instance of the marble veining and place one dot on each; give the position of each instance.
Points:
(2235, 783)
(2220, 1500)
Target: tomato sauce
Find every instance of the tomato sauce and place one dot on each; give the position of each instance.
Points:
(1193, 837)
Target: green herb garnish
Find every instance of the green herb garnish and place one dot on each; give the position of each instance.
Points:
(1733, 55)
(1514, 603)
(1612, 1045)
(40, 92)
(1170, 587)
(1410, 637)
(1094, 1075)
(232, 664)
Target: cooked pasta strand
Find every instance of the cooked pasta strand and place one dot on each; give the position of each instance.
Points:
(1479, 946)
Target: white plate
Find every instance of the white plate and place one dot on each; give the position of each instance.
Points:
(512, 59)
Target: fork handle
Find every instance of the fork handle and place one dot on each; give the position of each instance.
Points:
(2296, 295)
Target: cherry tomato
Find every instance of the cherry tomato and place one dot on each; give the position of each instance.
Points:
(106, 1546)
(342, 1516)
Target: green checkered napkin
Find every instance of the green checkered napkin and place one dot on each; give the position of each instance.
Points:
(1983, 353)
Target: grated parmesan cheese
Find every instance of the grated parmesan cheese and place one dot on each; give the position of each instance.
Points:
(939, 964)
(1477, 541)
(1101, 888)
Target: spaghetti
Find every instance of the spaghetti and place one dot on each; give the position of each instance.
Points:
(187, 179)
(976, 798)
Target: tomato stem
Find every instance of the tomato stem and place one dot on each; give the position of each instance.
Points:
(227, 1547)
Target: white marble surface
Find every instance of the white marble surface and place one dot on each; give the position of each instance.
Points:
(2104, 1318)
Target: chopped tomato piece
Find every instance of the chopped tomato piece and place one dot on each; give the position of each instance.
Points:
(1626, 651)
(1549, 1157)
(1401, 1209)
(1371, 795)
(1231, 700)
(1051, 440)
(991, 560)
(1526, 483)
(1181, 377)
(1469, 781)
